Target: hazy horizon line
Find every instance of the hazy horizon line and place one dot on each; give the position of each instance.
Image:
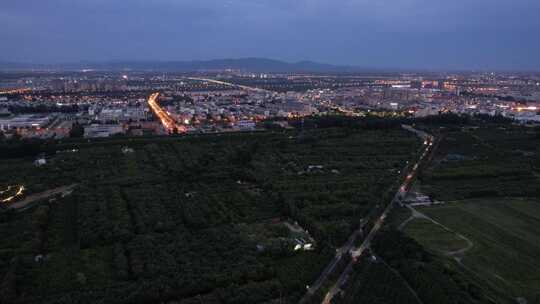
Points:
(353, 67)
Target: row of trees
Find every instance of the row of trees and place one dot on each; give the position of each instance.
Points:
(168, 221)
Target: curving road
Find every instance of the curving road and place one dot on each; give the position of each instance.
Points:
(64, 190)
(417, 214)
(10, 198)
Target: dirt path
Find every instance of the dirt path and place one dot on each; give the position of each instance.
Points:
(415, 214)
(63, 190)
(457, 255)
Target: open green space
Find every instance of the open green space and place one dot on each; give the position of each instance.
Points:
(434, 237)
(506, 237)
(197, 219)
(431, 278)
(489, 177)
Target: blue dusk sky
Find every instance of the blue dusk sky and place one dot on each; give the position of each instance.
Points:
(432, 34)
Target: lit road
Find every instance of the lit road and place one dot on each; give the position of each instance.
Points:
(340, 254)
(231, 85)
(400, 194)
(37, 197)
(9, 198)
(166, 120)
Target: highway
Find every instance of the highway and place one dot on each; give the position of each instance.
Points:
(258, 90)
(166, 120)
(357, 252)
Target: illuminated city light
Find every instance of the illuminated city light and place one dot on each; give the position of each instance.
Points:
(166, 120)
(532, 108)
(10, 198)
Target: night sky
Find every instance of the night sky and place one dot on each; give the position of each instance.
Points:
(433, 34)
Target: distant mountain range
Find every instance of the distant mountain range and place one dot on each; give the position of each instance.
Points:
(245, 64)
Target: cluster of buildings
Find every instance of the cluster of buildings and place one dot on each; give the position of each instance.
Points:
(102, 105)
(231, 109)
(426, 98)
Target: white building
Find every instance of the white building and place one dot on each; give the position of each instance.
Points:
(102, 130)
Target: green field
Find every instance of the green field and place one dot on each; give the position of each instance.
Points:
(192, 219)
(489, 177)
(434, 237)
(212, 218)
(506, 237)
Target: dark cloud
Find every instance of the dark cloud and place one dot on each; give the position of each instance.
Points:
(390, 33)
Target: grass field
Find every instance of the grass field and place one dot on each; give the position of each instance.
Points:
(506, 237)
(434, 237)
